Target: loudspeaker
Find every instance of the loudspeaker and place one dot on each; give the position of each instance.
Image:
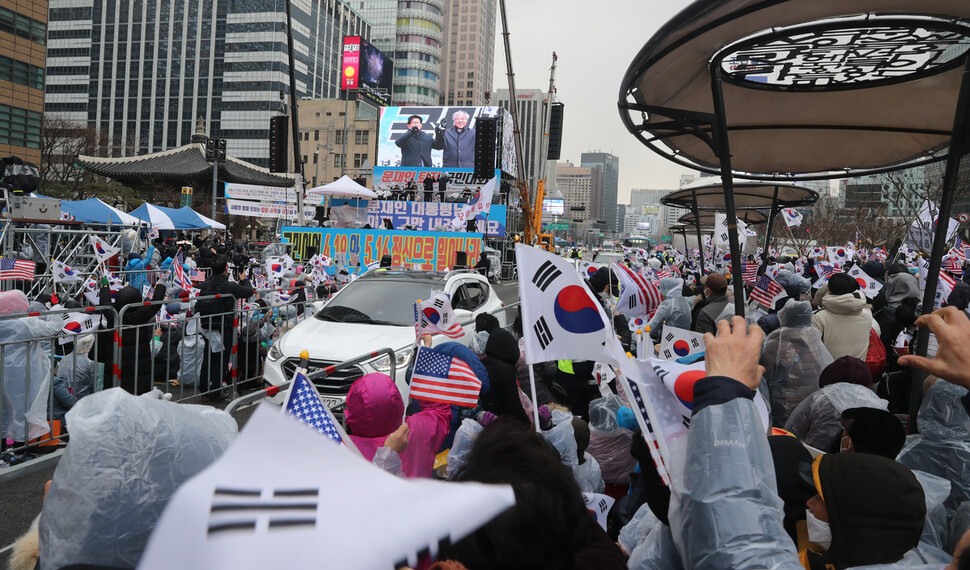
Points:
(277, 144)
(555, 131)
(485, 130)
(471, 226)
(461, 260)
(310, 252)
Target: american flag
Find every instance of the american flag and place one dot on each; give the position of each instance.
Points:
(303, 402)
(766, 291)
(178, 273)
(954, 265)
(638, 296)
(665, 273)
(17, 269)
(441, 378)
(750, 273)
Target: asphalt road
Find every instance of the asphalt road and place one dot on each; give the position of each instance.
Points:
(22, 499)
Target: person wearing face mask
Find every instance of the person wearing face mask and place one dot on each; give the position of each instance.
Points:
(715, 295)
(868, 510)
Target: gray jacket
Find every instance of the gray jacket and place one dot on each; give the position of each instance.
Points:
(673, 310)
(707, 317)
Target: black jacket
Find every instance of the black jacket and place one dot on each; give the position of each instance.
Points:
(501, 355)
(459, 147)
(221, 285)
(135, 366)
(416, 148)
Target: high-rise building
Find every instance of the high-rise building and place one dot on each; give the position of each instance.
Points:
(579, 186)
(468, 51)
(532, 109)
(23, 33)
(647, 202)
(610, 166)
(410, 31)
(142, 73)
(329, 151)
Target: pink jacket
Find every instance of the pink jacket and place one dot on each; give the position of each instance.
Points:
(375, 409)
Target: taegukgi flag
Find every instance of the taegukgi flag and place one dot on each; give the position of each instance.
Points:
(102, 250)
(435, 316)
(561, 319)
(480, 203)
(64, 273)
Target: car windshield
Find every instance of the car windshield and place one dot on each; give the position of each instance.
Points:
(377, 301)
(607, 257)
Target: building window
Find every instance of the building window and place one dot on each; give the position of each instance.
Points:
(338, 137)
(316, 156)
(316, 134)
(336, 161)
(358, 137)
(359, 160)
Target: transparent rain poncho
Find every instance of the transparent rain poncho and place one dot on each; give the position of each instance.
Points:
(793, 357)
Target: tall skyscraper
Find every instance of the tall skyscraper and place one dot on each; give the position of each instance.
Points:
(142, 73)
(23, 33)
(532, 108)
(409, 31)
(580, 189)
(610, 165)
(468, 51)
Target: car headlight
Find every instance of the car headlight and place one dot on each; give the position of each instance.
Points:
(401, 359)
(274, 353)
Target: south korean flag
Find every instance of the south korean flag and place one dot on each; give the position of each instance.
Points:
(869, 286)
(678, 343)
(722, 233)
(561, 317)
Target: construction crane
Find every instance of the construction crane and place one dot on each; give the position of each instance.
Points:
(531, 215)
(546, 241)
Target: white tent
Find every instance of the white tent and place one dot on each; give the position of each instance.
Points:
(343, 187)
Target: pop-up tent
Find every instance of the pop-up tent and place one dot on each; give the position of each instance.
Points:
(94, 211)
(162, 218)
(345, 186)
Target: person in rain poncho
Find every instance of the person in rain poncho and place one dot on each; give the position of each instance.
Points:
(26, 369)
(943, 444)
(674, 310)
(374, 412)
(793, 357)
(844, 384)
(77, 370)
(899, 285)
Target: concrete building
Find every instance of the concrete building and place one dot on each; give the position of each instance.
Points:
(532, 109)
(329, 151)
(579, 186)
(411, 33)
(23, 33)
(610, 167)
(142, 73)
(468, 51)
(647, 203)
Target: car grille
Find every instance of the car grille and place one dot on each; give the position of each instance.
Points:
(336, 384)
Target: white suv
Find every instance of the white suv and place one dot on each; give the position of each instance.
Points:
(373, 312)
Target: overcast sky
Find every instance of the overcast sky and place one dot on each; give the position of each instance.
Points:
(596, 42)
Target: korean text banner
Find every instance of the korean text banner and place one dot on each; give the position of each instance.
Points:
(426, 216)
(437, 137)
(461, 181)
(428, 250)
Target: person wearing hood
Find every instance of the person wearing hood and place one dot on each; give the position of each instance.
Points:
(844, 384)
(844, 321)
(900, 285)
(793, 357)
(138, 330)
(137, 265)
(374, 411)
(501, 355)
(942, 447)
(868, 510)
(76, 370)
(26, 369)
(673, 310)
(960, 297)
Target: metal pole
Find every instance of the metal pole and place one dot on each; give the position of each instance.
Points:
(343, 157)
(771, 224)
(215, 177)
(958, 144)
(294, 116)
(700, 238)
(727, 183)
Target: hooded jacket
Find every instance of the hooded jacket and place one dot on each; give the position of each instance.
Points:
(137, 267)
(793, 357)
(501, 355)
(673, 310)
(374, 410)
(844, 323)
(876, 509)
(817, 420)
(942, 447)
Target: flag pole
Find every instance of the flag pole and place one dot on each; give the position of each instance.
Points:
(661, 454)
(535, 404)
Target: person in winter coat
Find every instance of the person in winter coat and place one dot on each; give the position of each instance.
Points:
(374, 412)
(416, 145)
(26, 369)
(942, 447)
(793, 357)
(137, 265)
(715, 293)
(137, 321)
(900, 285)
(458, 142)
(674, 310)
(501, 355)
(459, 413)
(844, 384)
(78, 371)
(218, 327)
(844, 321)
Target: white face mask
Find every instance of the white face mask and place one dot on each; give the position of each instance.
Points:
(818, 532)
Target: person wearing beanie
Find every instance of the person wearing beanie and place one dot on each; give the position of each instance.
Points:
(844, 384)
(868, 510)
(844, 321)
(715, 293)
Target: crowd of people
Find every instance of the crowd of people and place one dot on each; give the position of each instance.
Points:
(840, 479)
